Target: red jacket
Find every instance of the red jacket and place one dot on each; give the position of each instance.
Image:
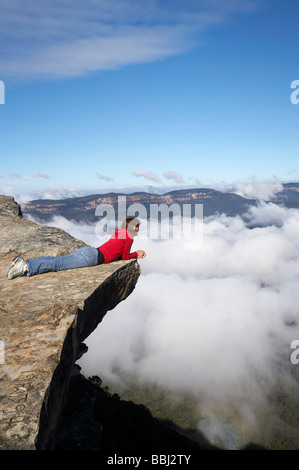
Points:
(118, 246)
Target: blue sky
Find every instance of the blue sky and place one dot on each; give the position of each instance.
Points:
(124, 95)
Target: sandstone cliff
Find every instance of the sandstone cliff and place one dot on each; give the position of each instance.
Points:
(43, 320)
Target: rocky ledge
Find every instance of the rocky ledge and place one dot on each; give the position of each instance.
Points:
(44, 320)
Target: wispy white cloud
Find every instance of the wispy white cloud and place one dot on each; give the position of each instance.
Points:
(42, 175)
(130, 45)
(104, 177)
(65, 38)
(173, 175)
(147, 175)
(13, 175)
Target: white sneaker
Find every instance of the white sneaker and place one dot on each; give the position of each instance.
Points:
(17, 270)
(14, 261)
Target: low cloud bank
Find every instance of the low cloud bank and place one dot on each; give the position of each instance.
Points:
(253, 188)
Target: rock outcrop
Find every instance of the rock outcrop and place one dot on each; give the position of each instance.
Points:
(43, 321)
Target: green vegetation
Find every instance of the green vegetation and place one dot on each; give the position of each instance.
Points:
(279, 421)
(276, 424)
(180, 409)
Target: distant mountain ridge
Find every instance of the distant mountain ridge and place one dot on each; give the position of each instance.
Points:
(83, 208)
(289, 197)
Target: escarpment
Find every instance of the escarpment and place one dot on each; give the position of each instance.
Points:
(43, 321)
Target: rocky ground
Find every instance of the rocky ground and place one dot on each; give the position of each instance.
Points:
(43, 321)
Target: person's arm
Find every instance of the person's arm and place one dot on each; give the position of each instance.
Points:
(126, 250)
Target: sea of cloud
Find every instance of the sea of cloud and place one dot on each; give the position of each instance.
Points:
(217, 320)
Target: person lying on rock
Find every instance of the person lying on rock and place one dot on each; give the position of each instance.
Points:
(117, 247)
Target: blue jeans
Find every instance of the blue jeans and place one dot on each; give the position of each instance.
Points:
(82, 258)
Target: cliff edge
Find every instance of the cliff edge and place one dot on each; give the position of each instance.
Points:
(43, 320)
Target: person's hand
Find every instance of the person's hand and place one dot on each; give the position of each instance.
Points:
(141, 254)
